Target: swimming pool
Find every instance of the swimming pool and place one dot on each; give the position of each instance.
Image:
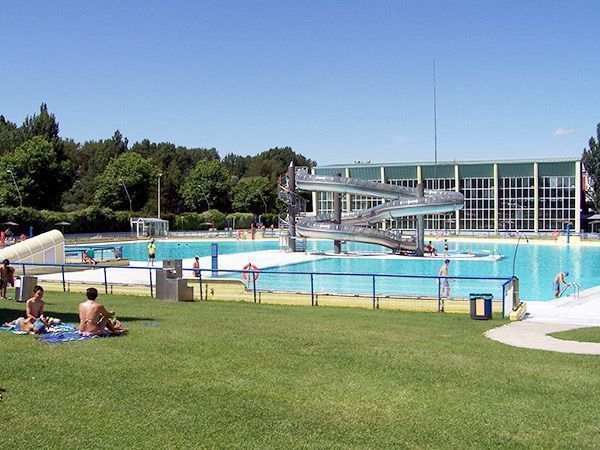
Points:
(536, 264)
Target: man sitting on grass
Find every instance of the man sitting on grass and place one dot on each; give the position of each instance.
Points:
(94, 318)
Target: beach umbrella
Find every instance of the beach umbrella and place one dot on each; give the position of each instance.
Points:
(63, 224)
(11, 224)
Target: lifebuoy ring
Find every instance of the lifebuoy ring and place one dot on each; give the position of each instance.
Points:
(250, 276)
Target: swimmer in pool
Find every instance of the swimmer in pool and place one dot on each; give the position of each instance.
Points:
(558, 280)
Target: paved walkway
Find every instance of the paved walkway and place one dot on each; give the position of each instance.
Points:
(543, 318)
(529, 334)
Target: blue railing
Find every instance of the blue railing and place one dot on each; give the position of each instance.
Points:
(375, 288)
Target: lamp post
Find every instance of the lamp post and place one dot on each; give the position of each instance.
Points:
(263, 199)
(126, 192)
(158, 193)
(205, 196)
(10, 172)
(517, 248)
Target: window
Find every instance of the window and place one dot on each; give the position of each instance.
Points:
(478, 212)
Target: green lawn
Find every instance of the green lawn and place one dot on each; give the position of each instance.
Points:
(591, 334)
(218, 374)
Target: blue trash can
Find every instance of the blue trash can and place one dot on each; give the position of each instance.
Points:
(481, 306)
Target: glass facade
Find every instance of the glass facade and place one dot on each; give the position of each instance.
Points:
(478, 213)
(516, 203)
(557, 203)
(516, 209)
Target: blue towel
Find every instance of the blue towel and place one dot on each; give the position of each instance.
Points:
(67, 336)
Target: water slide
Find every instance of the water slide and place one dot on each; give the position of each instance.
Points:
(356, 225)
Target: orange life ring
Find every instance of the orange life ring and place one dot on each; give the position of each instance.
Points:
(250, 276)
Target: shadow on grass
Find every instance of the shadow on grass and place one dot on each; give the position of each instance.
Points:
(9, 314)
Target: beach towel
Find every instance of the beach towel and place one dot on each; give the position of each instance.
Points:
(69, 336)
(53, 329)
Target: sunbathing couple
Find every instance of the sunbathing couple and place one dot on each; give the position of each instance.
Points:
(94, 319)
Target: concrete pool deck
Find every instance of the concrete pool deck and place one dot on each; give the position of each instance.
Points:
(544, 318)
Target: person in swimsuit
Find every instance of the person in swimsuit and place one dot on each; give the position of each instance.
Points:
(444, 282)
(25, 324)
(558, 280)
(151, 252)
(94, 318)
(6, 277)
(196, 266)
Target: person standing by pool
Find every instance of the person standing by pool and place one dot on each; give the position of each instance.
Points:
(151, 252)
(6, 277)
(444, 282)
(558, 280)
(196, 266)
(446, 247)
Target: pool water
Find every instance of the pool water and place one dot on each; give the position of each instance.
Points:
(536, 266)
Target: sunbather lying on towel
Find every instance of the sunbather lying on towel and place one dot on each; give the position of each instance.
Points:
(27, 325)
(94, 318)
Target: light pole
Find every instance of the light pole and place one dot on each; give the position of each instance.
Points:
(9, 171)
(127, 192)
(517, 248)
(263, 199)
(204, 194)
(159, 175)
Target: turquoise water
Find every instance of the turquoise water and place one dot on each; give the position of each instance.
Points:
(536, 266)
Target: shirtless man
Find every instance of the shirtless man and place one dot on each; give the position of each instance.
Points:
(6, 277)
(34, 309)
(93, 317)
(558, 280)
(445, 283)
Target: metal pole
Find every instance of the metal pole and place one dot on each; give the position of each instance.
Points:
(200, 283)
(312, 290)
(439, 294)
(254, 285)
(159, 175)
(105, 282)
(151, 287)
(24, 273)
(374, 292)
(337, 216)
(291, 210)
(62, 267)
(16, 186)
(127, 192)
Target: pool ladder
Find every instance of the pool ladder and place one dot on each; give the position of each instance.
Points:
(575, 287)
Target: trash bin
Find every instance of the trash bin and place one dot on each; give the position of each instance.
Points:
(481, 306)
(24, 287)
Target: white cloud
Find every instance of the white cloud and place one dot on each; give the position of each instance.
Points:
(563, 131)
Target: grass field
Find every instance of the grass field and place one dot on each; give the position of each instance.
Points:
(591, 334)
(223, 374)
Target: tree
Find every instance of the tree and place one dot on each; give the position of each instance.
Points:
(175, 163)
(274, 162)
(91, 162)
(10, 136)
(591, 162)
(256, 195)
(137, 173)
(208, 184)
(37, 172)
(236, 164)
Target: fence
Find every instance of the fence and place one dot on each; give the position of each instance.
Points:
(386, 291)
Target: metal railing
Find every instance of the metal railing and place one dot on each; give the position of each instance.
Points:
(371, 285)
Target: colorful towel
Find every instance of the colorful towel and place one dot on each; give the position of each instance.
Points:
(53, 329)
(67, 336)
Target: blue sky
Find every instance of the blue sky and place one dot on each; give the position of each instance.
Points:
(338, 81)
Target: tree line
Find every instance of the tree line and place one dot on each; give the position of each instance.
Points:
(42, 170)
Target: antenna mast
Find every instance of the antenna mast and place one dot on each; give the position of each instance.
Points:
(434, 127)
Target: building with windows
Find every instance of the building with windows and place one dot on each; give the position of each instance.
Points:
(541, 195)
